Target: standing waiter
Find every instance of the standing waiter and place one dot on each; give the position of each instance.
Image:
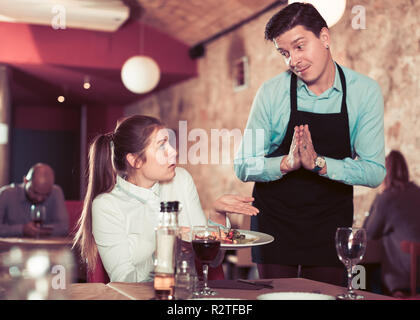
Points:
(323, 133)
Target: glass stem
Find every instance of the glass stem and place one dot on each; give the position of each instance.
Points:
(205, 274)
(349, 279)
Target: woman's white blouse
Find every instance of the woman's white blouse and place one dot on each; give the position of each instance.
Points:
(124, 222)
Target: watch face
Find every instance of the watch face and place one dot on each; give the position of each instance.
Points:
(320, 162)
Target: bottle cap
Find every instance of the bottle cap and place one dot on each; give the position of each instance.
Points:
(169, 206)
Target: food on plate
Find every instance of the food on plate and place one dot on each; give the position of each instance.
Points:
(230, 236)
(233, 236)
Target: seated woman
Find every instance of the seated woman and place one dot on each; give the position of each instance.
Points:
(394, 217)
(130, 172)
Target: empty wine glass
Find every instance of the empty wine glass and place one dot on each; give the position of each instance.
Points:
(351, 245)
(206, 246)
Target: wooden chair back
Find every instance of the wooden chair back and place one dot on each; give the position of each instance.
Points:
(412, 248)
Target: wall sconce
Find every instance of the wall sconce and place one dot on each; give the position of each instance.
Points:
(86, 83)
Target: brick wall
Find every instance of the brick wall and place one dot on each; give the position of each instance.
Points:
(387, 50)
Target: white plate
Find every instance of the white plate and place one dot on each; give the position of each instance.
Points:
(261, 238)
(294, 296)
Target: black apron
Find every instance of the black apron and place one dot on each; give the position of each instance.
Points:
(302, 210)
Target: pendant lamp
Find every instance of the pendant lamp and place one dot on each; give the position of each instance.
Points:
(330, 10)
(140, 74)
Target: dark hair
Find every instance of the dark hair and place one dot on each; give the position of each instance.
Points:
(107, 157)
(397, 176)
(293, 15)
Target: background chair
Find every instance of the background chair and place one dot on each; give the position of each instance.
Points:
(74, 209)
(412, 248)
(98, 274)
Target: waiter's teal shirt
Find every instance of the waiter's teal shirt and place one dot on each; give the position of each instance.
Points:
(269, 118)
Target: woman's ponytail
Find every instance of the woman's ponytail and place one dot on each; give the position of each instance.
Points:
(101, 179)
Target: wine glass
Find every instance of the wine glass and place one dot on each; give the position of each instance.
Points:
(38, 215)
(351, 245)
(206, 246)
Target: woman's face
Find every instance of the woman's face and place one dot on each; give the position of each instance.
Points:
(160, 161)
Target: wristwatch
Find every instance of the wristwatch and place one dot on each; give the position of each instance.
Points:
(319, 164)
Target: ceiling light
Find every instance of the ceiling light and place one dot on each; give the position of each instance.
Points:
(331, 11)
(61, 99)
(140, 74)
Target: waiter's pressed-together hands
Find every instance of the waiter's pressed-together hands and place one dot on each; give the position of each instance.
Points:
(306, 148)
(302, 152)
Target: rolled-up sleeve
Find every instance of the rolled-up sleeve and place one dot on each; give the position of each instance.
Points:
(250, 163)
(368, 166)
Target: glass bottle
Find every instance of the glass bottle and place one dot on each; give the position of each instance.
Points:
(186, 276)
(166, 240)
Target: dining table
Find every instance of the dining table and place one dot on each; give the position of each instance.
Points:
(35, 243)
(226, 289)
(51, 244)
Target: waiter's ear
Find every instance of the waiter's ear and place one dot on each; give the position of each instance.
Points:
(324, 36)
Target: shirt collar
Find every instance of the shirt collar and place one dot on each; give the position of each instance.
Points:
(336, 85)
(142, 194)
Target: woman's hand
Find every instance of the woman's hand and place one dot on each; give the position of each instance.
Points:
(230, 203)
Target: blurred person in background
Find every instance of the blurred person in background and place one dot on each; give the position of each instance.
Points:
(394, 217)
(38, 188)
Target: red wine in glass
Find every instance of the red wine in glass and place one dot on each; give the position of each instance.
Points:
(206, 246)
(38, 214)
(206, 250)
(38, 222)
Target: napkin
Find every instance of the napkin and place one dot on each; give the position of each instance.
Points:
(235, 284)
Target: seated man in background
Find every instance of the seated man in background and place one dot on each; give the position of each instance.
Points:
(38, 188)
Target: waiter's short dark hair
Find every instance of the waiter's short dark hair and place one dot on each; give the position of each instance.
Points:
(295, 14)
